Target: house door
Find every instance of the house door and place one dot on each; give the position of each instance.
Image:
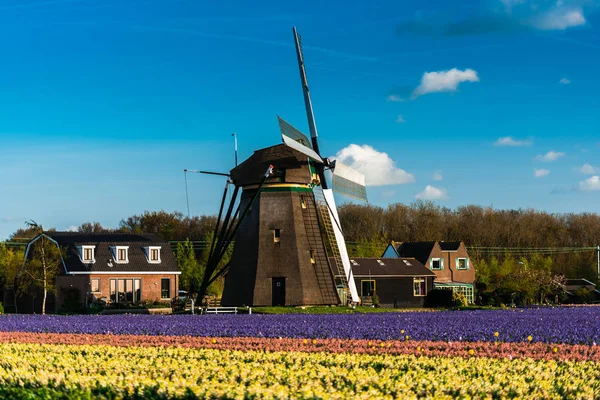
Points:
(278, 290)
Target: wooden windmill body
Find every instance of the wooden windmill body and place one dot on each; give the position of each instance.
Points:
(279, 256)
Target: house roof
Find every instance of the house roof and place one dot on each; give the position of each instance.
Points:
(387, 266)
(138, 261)
(449, 246)
(418, 250)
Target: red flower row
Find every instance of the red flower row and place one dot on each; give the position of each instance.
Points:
(425, 348)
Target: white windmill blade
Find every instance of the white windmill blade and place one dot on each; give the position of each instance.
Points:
(288, 130)
(349, 181)
(301, 148)
(341, 243)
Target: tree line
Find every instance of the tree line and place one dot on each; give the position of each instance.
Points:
(368, 229)
(488, 233)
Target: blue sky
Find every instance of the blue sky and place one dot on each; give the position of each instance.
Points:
(104, 103)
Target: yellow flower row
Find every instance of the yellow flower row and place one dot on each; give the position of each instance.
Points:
(102, 370)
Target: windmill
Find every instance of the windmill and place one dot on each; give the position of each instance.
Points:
(289, 220)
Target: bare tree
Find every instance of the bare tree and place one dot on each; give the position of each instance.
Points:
(41, 263)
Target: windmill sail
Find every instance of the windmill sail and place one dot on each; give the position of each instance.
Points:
(340, 243)
(291, 132)
(301, 148)
(348, 181)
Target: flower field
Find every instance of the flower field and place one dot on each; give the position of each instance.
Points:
(536, 353)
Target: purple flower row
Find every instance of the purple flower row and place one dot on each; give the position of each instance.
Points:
(551, 325)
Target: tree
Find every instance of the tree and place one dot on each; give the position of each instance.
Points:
(41, 265)
(191, 270)
(91, 227)
(10, 264)
(169, 226)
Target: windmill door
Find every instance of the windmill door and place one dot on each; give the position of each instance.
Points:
(278, 290)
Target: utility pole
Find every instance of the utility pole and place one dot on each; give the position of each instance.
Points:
(598, 266)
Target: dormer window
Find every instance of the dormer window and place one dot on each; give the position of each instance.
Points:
(86, 253)
(120, 254)
(152, 254)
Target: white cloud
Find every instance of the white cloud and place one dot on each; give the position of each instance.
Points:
(444, 81)
(437, 176)
(509, 141)
(379, 169)
(540, 173)
(395, 98)
(565, 81)
(72, 228)
(432, 193)
(590, 184)
(550, 156)
(559, 18)
(589, 169)
(400, 119)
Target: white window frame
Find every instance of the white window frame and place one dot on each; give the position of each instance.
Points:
(149, 254)
(466, 263)
(115, 251)
(82, 250)
(419, 280)
(440, 259)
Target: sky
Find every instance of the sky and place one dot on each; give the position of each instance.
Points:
(104, 103)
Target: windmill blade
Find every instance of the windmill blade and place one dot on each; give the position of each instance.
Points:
(301, 148)
(291, 132)
(340, 243)
(349, 181)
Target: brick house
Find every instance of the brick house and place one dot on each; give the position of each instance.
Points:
(448, 260)
(115, 267)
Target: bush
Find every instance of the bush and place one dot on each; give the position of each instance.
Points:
(459, 300)
(439, 298)
(1, 309)
(375, 300)
(71, 301)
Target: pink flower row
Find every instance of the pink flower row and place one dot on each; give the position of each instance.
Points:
(424, 348)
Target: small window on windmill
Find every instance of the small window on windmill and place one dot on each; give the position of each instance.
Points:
(380, 262)
(407, 263)
(302, 202)
(354, 262)
(276, 235)
(312, 256)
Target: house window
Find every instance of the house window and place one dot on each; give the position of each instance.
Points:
(419, 286)
(436, 263)
(462, 263)
(120, 254)
(276, 235)
(95, 285)
(165, 288)
(87, 254)
(152, 254)
(125, 290)
(367, 288)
